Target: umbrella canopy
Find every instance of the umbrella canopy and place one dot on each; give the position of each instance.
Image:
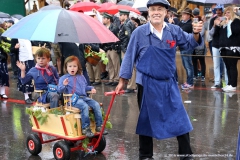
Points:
(17, 16)
(115, 9)
(4, 15)
(214, 1)
(140, 4)
(105, 6)
(55, 24)
(126, 2)
(84, 6)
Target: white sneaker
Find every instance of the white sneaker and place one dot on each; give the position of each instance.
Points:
(215, 86)
(230, 88)
(225, 87)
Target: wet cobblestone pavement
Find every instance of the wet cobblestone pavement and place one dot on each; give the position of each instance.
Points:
(214, 115)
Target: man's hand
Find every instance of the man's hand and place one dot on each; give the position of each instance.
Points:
(197, 27)
(120, 85)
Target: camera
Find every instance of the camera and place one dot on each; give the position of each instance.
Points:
(222, 18)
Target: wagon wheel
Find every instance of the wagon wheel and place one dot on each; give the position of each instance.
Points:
(34, 145)
(102, 144)
(61, 151)
(69, 143)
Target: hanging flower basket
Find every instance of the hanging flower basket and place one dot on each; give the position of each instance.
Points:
(95, 57)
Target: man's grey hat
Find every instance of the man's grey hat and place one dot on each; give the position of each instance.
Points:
(196, 12)
(164, 3)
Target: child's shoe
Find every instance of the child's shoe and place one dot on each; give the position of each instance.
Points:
(98, 129)
(87, 132)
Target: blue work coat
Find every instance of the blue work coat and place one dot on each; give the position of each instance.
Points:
(162, 113)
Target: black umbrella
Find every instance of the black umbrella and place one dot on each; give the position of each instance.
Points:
(4, 15)
(17, 16)
(126, 2)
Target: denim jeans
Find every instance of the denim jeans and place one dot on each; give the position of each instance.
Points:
(217, 62)
(53, 99)
(187, 64)
(82, 104)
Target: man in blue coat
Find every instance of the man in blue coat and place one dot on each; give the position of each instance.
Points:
(152, 48)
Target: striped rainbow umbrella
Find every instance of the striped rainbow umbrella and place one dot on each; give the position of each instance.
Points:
(55, 24)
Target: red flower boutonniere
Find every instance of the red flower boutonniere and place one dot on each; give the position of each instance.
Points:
(172, 43)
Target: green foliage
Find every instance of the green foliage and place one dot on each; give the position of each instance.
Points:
(30, 122)
(108, 123)
(85, 143)
(57, 112)
(28, 111)
(41, 117)
(4, 45)
(91, 116)
(75, 125)
(89, 53)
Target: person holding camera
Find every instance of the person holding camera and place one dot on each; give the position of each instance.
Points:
(227, 29)
(112, 50)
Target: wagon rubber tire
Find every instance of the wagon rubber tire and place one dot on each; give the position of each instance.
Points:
(61, 151)
(101, 146)
(69, 143)
(34, 144)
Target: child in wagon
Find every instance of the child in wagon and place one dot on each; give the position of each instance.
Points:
(45, 77)
(75, 83)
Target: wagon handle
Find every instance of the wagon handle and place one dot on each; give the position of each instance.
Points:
(113, 93)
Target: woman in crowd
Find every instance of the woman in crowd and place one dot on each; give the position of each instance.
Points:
(228, 29)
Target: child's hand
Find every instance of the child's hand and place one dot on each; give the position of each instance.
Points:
(21, 66)
(65, 82)
(93, 90)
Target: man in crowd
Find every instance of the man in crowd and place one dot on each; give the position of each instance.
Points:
(112, 51)
(186, 25)
(172, 16)
(125, 32)
(152, 48)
